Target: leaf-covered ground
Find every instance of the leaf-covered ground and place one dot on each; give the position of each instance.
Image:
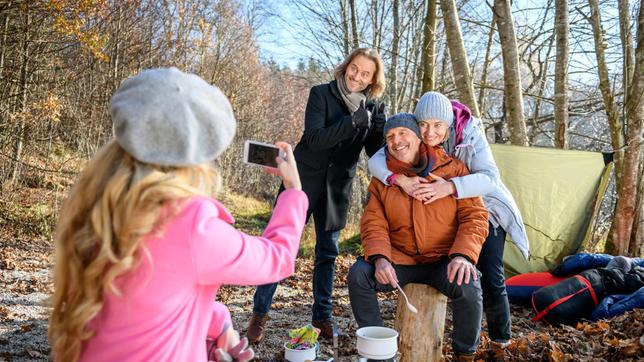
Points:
(25, 284)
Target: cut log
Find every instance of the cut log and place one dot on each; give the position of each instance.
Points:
(421, 335)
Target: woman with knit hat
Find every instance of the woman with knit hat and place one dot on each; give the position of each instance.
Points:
(452, 124)
(142, 246)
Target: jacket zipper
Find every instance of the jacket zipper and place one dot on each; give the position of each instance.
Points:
(507, 207)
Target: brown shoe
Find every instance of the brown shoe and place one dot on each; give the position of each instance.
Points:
(498, 350)
(255, 330)
(326, 328)
(464, 357)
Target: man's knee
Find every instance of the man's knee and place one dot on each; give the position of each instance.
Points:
(471, 291)
(361, 275)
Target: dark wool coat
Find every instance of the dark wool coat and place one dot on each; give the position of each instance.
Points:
(327, 154)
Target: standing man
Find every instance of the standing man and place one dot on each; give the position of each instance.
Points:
(337, 126)
(407, 241)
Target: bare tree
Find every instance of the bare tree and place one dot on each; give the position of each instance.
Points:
(513, 92)
(354, 24)
(627, 200)
(561, 73)
(393, 69)
(429, 47)
(486, 64)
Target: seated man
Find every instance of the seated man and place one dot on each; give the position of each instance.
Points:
(405, 241)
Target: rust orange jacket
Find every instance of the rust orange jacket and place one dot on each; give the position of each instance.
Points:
(407, 232)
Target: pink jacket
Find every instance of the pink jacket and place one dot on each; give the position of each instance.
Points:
(168, 307)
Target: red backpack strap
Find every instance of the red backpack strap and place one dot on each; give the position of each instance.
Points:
(554, 304)
(590, 288)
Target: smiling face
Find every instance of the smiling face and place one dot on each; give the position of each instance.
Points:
(434, 132)
(403, 144)
(359, 73)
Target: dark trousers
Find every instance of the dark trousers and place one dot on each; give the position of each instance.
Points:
(326, 251)
(466, 298)
(495, 298)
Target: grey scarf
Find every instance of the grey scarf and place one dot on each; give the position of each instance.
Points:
(351, 99)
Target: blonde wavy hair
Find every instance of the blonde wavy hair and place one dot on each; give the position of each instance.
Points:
(99, 235)
(377, 87)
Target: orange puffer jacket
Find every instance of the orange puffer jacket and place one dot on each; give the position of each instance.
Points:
(407, 232)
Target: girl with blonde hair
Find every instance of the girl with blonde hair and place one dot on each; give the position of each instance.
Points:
(141, 245)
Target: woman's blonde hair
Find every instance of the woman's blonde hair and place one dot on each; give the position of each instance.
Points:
(99, 235)
(377, 87)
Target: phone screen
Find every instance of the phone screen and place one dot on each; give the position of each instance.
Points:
(262, 155)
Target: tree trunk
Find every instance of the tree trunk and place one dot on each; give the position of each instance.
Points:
(4, 43)
(620, 231)
(486, 65)
(429, 47)
(627, 196)
(561, 74)
(626, 38)
(638, 226)
(345, 27)
(421, 334)
(617, 138)
(20, 132)
(512, 90)
(354, 24)
(460, 66)
(394, 58)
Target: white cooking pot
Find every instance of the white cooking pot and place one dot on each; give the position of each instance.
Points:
(377, 342)
(300, 355)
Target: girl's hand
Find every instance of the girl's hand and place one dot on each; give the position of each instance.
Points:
(229, 347)
(286, 168)
(411, 184)
(435, 190)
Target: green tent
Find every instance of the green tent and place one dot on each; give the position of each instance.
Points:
(556, 192)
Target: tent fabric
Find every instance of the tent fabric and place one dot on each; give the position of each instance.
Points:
(554, 190)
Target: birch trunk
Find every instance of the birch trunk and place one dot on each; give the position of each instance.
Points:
(354, 24)
(512, 90)
(429, 47)
(345, 27)
(486, 64)
(394, 58)
(561, 73)
(460, 65)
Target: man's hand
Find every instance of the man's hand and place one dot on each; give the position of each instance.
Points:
(434, 190)
(385, 272)
(461, 270)
(378, 117)
(361, 118)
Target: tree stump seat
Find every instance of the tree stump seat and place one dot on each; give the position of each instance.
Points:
(421, 334)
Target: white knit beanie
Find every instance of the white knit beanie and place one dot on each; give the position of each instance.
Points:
(434, 105)
(169, 118)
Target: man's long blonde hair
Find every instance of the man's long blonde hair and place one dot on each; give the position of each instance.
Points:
(99, 235)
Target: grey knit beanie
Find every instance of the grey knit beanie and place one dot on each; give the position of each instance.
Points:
(434, 105)
(407, 120)
(169, 118)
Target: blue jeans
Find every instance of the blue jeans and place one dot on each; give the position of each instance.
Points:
(466, 298)
(326, 250)
(495, 298)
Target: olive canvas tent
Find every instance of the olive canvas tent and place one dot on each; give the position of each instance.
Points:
(556, 192)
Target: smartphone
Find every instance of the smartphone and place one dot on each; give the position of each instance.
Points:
(263, 154)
